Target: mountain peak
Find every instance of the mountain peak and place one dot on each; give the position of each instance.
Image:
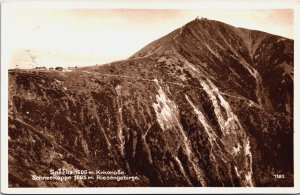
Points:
(199, 29)
(205, 34)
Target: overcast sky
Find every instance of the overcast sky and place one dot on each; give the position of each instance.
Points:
(69, 37)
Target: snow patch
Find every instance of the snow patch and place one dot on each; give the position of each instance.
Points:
(237, 172)
(166, 113)
(230, 125)
(237, 149)
(213, 98)
(120, 135)
(182, 169)
(208, 130)
(118, 89)
(163, 109)
(248, 155)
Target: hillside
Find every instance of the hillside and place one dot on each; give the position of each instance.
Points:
(207, 105)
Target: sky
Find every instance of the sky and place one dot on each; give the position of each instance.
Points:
(80, 37)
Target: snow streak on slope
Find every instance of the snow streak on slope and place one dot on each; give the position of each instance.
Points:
(231, 120)
(248, 154)
(164, 109)
(212, 137)
(261, 97)
(214, 100)
(259, 87)
(120, 119)
(182, 169)
(167, 117)
(209, 131)
(166, 113)
(232, 129)
(233, 133)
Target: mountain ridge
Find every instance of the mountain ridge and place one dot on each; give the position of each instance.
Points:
(204, 105)
(201, 22)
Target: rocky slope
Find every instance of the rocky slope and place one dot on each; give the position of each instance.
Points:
(207, 105)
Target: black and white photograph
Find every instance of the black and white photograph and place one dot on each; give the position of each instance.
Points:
(147, 96)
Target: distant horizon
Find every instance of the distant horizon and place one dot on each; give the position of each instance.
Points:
(86, 37)
(80, 66)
